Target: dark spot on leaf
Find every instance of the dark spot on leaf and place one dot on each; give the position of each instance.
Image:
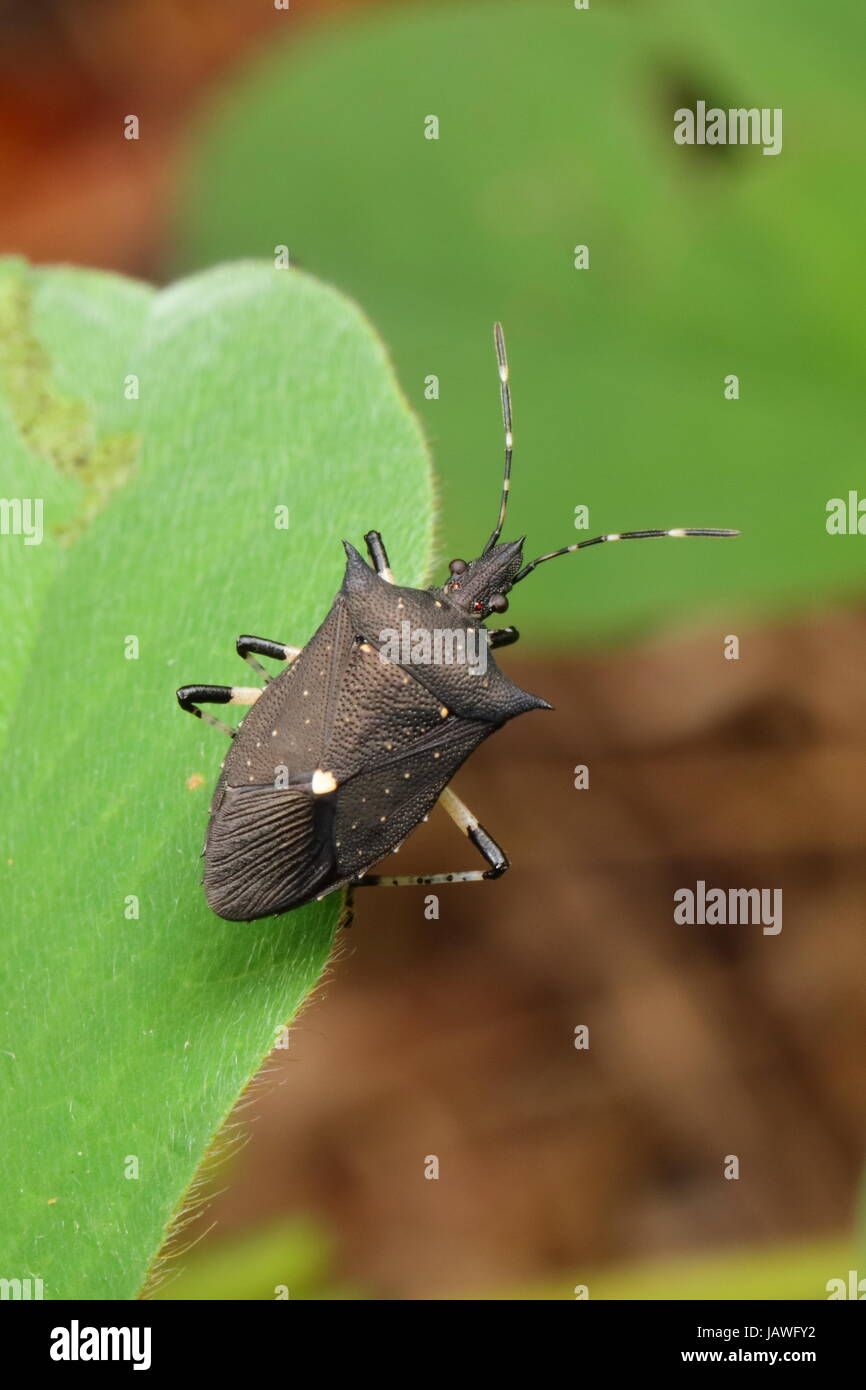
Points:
(53, 426)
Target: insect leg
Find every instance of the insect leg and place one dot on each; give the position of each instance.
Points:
(264, 647)
(216, 695)
(483, 842)
(376, 551)
(503, 636)
(347, 916)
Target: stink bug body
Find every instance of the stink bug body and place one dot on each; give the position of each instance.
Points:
(352, 745)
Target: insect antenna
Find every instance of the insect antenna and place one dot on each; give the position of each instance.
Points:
(677, 533)
(502, 361)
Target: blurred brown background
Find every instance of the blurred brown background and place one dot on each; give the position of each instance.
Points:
(709, 1041)
(455, 1036)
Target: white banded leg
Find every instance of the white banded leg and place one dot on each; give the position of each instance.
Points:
(472, 828)
(264, 646)
(216, 695)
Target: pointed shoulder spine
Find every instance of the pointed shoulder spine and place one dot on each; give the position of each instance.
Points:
(358, 573)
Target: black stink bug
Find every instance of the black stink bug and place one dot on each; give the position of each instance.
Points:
(349, 748)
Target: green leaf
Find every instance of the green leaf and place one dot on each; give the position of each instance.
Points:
(131, 1037)
(65, 436)
(556, 129)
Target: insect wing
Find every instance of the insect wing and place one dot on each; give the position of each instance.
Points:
(383, 802)
(268, 849)
(269, 844)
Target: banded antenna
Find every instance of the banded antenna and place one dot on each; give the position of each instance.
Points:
(677, 532)
(502, 361)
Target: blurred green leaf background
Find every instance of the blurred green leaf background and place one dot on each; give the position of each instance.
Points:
(556, 129)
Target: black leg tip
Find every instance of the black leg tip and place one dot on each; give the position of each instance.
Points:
(498, 870)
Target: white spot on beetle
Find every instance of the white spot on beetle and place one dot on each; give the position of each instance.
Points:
(323, 782)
